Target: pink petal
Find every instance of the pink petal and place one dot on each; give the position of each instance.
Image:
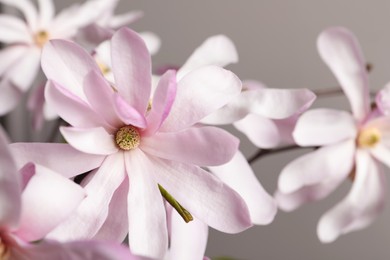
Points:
(188, 240)
(11, 55)
(121, 20)
(317, 166)
(204, 146)
(116, 226)
(67, 64)
(163, 99)
(381, 153)
(148, 234)
(240, 177)
(324, 126)
(340, 50)
(94, 34)
(362, 205)
(90, 216)
(383, 99)
(10, 96)
(71, 108)
(77, 250)
(47, 200)
(152, 42)
(131, 65)
(61, 158)
(217, 50)
(46, 12)
(266, 102)
(199, 94)
(90, 140)
(10, 187)
(262, 131)
(13, 30)
(127, 113)
(203, 195)
(100, 96)
(27, 9)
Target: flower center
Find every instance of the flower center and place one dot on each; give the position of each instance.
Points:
(368, 138)
(41, 37)
(127, 138)
(103, 68)
(5, 253)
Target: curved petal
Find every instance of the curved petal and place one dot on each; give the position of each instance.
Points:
(77, 250)
(240, 177)
(148, 234)
(47, 200)
(94, 34)
(381, 153)
(199, 94)
(61, 158)
(324, 126)
(71, 108)
(203, 146)
(28, 10)
(317, 166)
(46, 12)
(10, 55)
(10, 96)
(10, 186)
(217, 50)
(340, 50)
(362, 205)
(131, 64)
(128, 114)
(13, 30)
(382, 100)
(100, 96)
(163, 99)
(262, 132)
(90, 140)
(266, 102)
(203, 195)
(188, 240)
(152, 41)
(67, 64)
(89, 217)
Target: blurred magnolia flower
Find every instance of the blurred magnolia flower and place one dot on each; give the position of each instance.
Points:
(35, 200)
(138, 145)
(24, 39)
(350, 145)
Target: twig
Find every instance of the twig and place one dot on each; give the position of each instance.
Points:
(263, 152)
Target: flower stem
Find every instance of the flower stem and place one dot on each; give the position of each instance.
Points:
(176, 205)
(263, 152)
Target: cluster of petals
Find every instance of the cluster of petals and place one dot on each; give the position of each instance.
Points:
(123, 194)
(349, 145)
(34, 200)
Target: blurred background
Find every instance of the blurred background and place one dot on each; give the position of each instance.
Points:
(276, 42)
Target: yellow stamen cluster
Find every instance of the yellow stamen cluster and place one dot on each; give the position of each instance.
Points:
(368, 138)
(127, 138)
(41, 37)
(4, 251)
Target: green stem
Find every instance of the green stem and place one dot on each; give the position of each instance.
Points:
(176, 205)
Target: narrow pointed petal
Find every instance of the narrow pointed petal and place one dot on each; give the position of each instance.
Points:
(131, 64)
(128, 114)
(203, 195)
(13, 30)
(148, 234)
(340, 50)
(90, 140)
(67, 64)
(163, 99)
(217, 50)
(46, 12)
(319, 127)
(381, 153)
(47, 200)
(204, 146)
(317, 166)
(240, 177)
(27, 8)
(70, 163)
(362, 205)
(199, 94)
(382, 100)
(10, 56)
(89, 217)
(188, 240)
(10, 186)
(118, 21)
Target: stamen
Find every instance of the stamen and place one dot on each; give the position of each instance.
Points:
(127, 138)
(187, 217)
(41, 37)
(103, 68)
(368, 138)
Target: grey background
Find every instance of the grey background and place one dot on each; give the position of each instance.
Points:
(276, 41)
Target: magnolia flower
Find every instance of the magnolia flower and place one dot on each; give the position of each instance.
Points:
(350, 145)
(34, 200)
(138, 145)
(24, 40)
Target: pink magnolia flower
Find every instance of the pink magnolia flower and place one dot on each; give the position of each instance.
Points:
(25, 39)
(350, 145)
(133, 148)
(33, 202)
